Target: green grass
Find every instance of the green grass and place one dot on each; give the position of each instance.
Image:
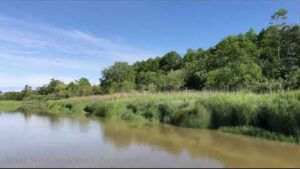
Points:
(277, 113)
(10, 106)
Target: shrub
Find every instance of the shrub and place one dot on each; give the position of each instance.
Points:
(184, 114)
(98, 109)
(68, 106)
(146, 110)
(129, 116)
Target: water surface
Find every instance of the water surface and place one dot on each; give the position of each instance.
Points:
(41, 141)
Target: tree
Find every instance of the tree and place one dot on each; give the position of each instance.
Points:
(279, 47)
(268, 58)
(194, 68)
(84, 82)
(26, 92)
(151, 64)
(118, 78)
(251, 35)
(175, 80)
(279, 20)
(56, 86)
(293, 80)
(233, 49)
(72, 88)
(193, 55)
(150, 81)
(12, 96)
(290, 50)
(84, 87)
(234, 77)
(279, 17)
(96, 90)
(170, 61)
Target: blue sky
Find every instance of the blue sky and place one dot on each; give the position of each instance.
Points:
(70, 39)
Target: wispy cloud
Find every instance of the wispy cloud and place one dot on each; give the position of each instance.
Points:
(34, 49)
(16, 82)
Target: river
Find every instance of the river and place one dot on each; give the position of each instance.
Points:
(44, 141)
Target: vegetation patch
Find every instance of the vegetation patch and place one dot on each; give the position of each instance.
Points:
(274, 112)
(36, 107)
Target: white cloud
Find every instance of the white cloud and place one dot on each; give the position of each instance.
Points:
(33, 50)
(18, 82)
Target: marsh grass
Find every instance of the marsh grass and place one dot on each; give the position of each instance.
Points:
(273, 112)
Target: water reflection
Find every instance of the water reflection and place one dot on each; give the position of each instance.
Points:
(124, 144)
(231, 150)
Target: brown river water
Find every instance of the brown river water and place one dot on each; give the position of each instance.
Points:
(41, 141)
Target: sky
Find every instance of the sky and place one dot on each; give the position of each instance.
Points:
(70, 39)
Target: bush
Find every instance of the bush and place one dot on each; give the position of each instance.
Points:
(68, 106)
(183, 114)
(97, 109)
(146, 110)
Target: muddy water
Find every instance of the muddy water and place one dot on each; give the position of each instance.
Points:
(40, 141)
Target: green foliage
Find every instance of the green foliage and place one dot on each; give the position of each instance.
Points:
(150, 81)
(118, 78)
(11, 96)
(151, 65)
(55, 90)
(147, 111)
(280, 17)
(97, 109)
(293, 80)
(175, 80)
(184, 114)
(170, 61)
(234, 77)
(26, 92)
(263, 62)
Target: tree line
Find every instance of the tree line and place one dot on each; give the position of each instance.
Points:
(258, 62)
(264, 61)
(56, 89)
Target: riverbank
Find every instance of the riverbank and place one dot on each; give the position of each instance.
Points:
(274, 116)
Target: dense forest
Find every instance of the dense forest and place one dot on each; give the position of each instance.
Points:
(259, 62)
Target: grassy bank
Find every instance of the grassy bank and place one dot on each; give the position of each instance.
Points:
(10, 106)
(274, 116)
